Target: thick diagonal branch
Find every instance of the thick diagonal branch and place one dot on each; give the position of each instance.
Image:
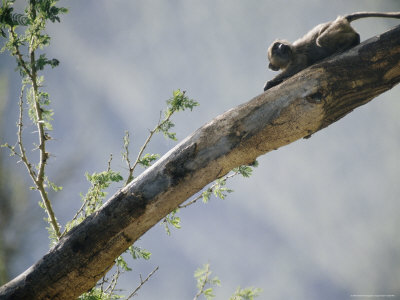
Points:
(302, 105)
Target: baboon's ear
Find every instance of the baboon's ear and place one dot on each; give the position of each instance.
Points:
(272, 67)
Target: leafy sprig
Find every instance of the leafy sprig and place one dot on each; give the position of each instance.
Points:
(246, 294)
(23, 47)
(178, 102)
(205, 283)
(173, 220)
(218, 189)
(95, 196)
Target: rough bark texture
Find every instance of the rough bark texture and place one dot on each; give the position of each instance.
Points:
(302, 105)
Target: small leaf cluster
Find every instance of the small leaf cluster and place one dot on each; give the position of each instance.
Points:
(218, 189)
(165, 129)
(95, 196)
(36, 14)
(178, 102)
(99, 294)
(39, 100)
(246, 170)
(53, 186)
(49, 11)
(122, 264)
(137, 252)
(8, 18)
(205, 283)
(173, 220)
(42, 61)
(146, 160)
(246, 293)
(46, 9)
(205, 286)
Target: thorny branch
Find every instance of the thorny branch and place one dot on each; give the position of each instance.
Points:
(139, 156)
(39, 177)
(142, 282)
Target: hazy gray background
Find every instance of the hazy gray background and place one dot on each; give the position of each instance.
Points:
(318, 219)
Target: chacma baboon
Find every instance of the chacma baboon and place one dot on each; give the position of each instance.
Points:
(322, 41)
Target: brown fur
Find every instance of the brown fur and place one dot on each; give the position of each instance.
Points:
(322, 41)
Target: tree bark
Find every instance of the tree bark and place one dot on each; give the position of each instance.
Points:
(300, 106)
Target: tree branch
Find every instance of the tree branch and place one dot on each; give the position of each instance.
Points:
(297, 108)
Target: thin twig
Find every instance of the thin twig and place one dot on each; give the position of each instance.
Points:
(201, 290)
(22, 154)
(114, 281)
(103, 281)
(210, 189)
(19, 55)
(126, 157)
(139, 156)
(109, 163)
(194, 200)
(75, 216)
(40, 178)
(143, 148)
(142, 282)
(87, 199)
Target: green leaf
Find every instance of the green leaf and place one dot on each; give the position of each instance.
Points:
(246, 293)
(164, 127)
(147, 159)
(203, 279)
(220, 190)
(208, 293)
(122, 264)
(173, 220)
(55, 187)
(138, 252)
(95, 195)
(99, 294)
(180, 101)
(245, 171)
(42, 61)
(206, 195)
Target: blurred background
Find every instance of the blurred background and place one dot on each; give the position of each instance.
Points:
(318, 218)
